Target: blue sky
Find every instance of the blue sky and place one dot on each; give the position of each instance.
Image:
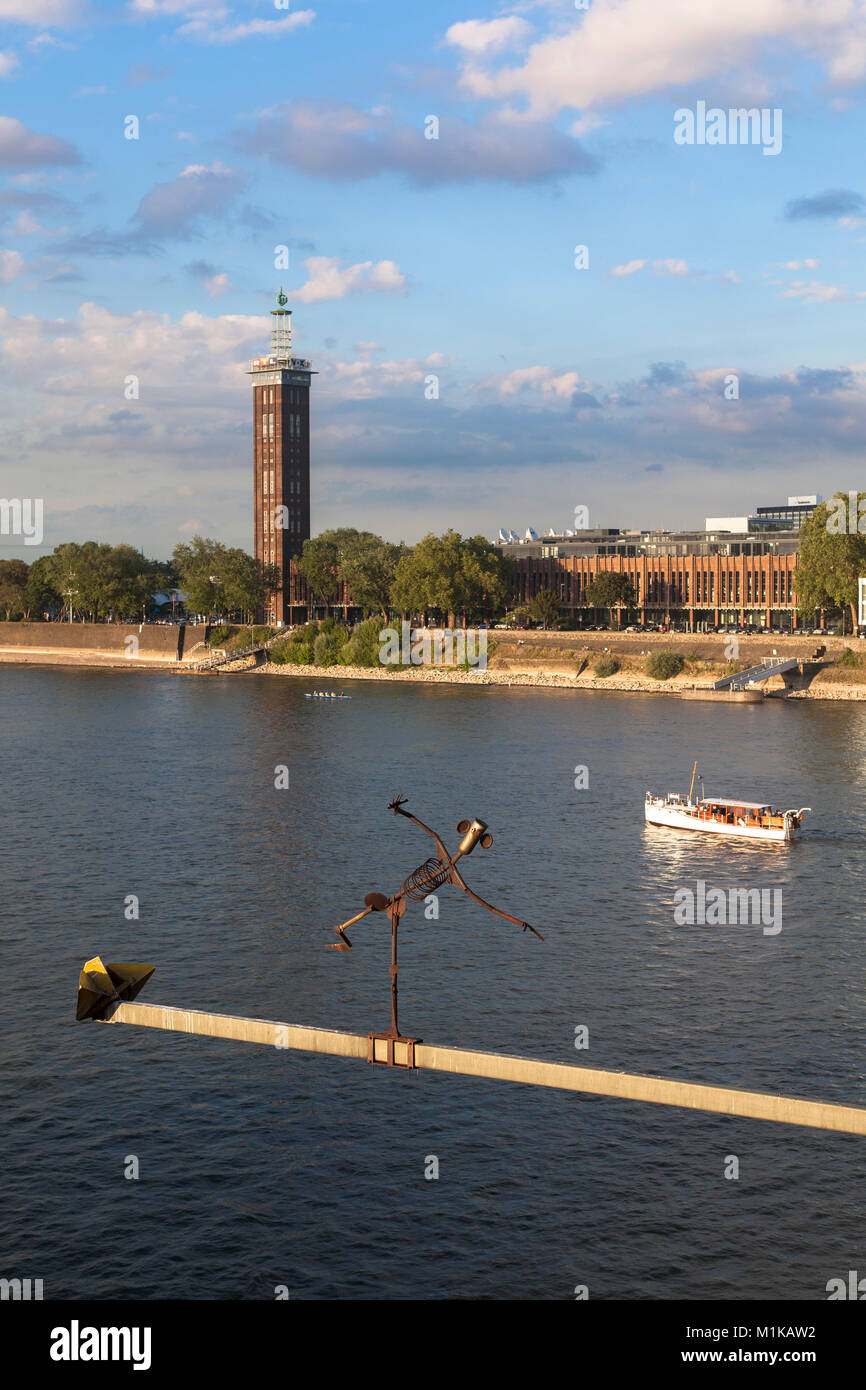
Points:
(261, 126)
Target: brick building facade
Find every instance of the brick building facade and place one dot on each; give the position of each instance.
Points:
(696, 578)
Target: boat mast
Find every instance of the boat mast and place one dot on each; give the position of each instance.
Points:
(692, 787)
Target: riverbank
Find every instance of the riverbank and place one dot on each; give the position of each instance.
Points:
(547, 660)
(823, 687)
(832, 683)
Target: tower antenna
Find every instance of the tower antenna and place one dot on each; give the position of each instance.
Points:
(281, 327)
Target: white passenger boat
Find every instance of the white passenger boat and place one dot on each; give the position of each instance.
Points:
(721, 815)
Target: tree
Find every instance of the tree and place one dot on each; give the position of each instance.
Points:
(41, 595)
(197, 563)
(73, 569)
(359, 559)
(832, 559)
(101, 580)
(127, 581)
(430, 577)
(13, 587)
(544, 608)
(489, 576)
(319, 563)
(368, 565)
(609, 590)
(450, 575)
(242, 581)
(219, 579)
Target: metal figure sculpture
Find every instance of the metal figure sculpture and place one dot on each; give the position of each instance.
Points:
(429, 876)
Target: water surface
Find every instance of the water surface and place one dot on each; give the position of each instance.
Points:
(261, 1168)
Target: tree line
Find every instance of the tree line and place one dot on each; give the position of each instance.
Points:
(445, 580)
(448, 578)
(103, 583)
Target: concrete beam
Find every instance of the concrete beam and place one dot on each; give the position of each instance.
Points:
(527, 1071)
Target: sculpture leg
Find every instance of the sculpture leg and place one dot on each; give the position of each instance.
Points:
(395, 920)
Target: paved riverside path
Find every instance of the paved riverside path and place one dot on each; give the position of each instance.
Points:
(723, 1100)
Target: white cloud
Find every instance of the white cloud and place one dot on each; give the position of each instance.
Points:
(671, 266)
(814, 292)
(490, 35)
(666, 266)
(368, 380)
(25, 224)
(327, 279)
(200, 191)
(40, 41)
(22, 149)
(41, 13)
(9, 61)
(623, 49)
(11, 266)
(552, 384)
(210, 21)
(153, 9)
(204, 30)
(217, 285)
(809, 264)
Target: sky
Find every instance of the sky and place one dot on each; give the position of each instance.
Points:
(420, 178)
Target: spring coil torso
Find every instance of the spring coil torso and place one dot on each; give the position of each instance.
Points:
(425, 879)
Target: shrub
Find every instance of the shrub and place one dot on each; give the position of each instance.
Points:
(294, 650)
(662, 665)
(325, 649)
(298, 653)
(218, 635)
(328, 625)
(277, 654)
(606, 666)
(362, 648)
(848, 658)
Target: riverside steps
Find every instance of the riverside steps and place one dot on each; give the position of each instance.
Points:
(688, 1095)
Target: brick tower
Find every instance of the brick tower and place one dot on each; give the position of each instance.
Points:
(281, 457)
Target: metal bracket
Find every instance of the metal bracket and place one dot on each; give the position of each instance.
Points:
(375, 1058)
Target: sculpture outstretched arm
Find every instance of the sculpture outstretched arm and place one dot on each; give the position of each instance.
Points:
(397, 807)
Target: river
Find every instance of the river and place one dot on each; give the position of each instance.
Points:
(261, 1168)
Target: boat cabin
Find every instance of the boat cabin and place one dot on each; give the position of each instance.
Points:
(731, 812)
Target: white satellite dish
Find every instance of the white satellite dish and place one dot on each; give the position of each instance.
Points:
(503, 535)
(530, 534)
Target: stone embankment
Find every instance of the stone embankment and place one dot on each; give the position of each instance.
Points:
(822, 688)
(130, 645)
(546, 660)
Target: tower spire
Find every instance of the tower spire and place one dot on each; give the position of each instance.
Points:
(281, 327)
